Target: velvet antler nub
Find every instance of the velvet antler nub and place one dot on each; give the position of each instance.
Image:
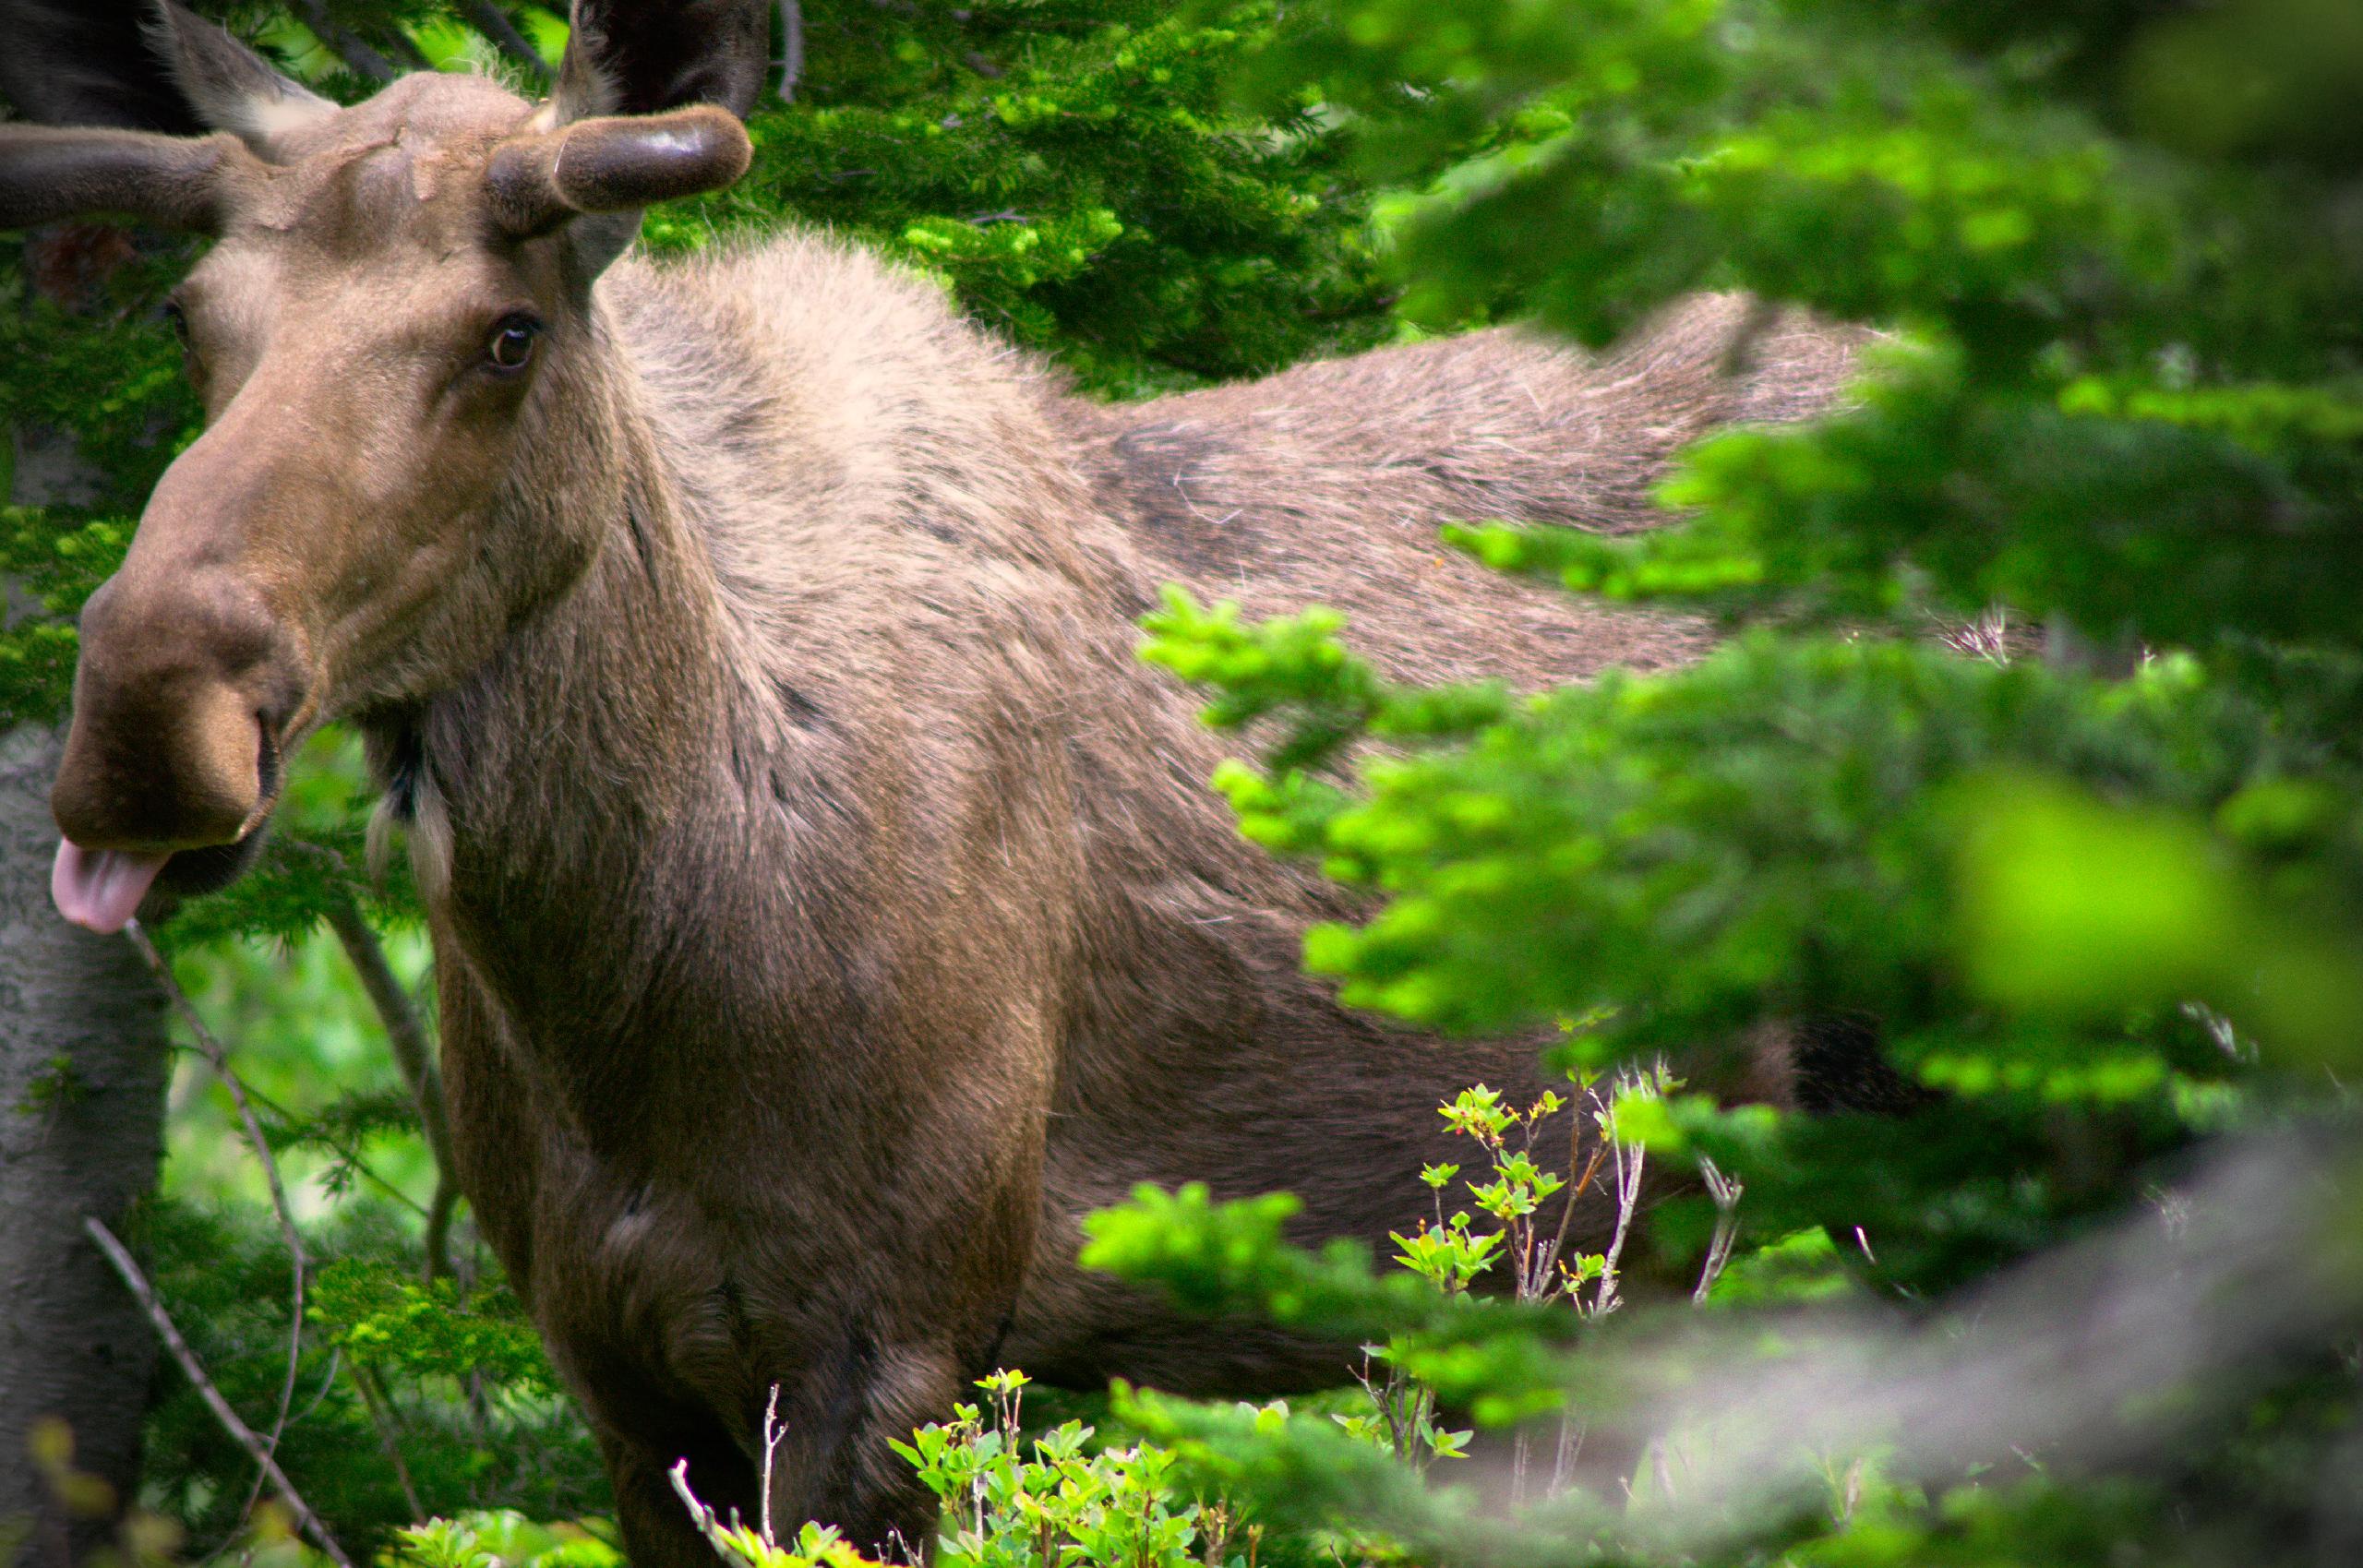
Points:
(614, 164)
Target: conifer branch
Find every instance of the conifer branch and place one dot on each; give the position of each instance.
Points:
(306, 1520)
(341, 1147)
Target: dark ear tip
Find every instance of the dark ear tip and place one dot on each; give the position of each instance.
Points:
(49, 172)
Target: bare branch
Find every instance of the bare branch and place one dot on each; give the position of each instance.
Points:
(347, 45)
(438, 1242)
(1725, 1191)
(306, 1520)
(774, 1429)
(1629, 1162)
(297, 1267)
(407, 51)
(415, 1056)
(493, 22)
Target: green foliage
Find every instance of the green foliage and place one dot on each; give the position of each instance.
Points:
(1791, 827)
(1075, 172)
(402, 1330)
(490, 1435)
(2084, 893)
(1011, 1499)
(1063, 1504)
(502, 1539)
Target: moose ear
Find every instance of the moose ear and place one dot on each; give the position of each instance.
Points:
(230, 87)
(52, 172)
(643, 57)
(113, 127)
(142, 64)
(88, 63)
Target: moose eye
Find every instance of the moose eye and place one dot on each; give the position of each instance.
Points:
(176, 318)
(512, 346)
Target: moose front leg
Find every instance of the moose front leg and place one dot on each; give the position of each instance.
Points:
(655, 1523)
(833, 1461)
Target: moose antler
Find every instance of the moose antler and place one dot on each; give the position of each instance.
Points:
(614, 164)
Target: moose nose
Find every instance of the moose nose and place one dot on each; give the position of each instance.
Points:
(181, 700)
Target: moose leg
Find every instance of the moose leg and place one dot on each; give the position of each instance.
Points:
(835, 1463)
(651, 1516)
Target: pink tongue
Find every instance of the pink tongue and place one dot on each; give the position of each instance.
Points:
(100, 888)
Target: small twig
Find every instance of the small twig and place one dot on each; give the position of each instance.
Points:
(1726, 1192)
(493, 22)
(1567, 1210)
(1627, 1179)
(297, 1264)
(336, 1364)
(415, 1056)
(1571, 1447)
(700, 1514)
(306, 1520)
(774, 1429)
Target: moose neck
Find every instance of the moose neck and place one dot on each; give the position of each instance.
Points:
(583, 825)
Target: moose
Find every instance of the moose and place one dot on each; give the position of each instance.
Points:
(828, 908)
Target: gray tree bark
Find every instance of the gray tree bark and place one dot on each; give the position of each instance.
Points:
(83, 1049)
(83, 1060)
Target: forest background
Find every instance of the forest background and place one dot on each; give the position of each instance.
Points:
(2036, 772)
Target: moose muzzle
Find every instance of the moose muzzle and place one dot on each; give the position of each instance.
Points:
(181, 703)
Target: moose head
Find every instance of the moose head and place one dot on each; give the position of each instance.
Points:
(395, 312)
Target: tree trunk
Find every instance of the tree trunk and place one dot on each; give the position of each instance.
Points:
(84, 1062)
(84, 1058)
(82, 1070)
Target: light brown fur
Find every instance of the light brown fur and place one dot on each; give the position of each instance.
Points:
(829, 910)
